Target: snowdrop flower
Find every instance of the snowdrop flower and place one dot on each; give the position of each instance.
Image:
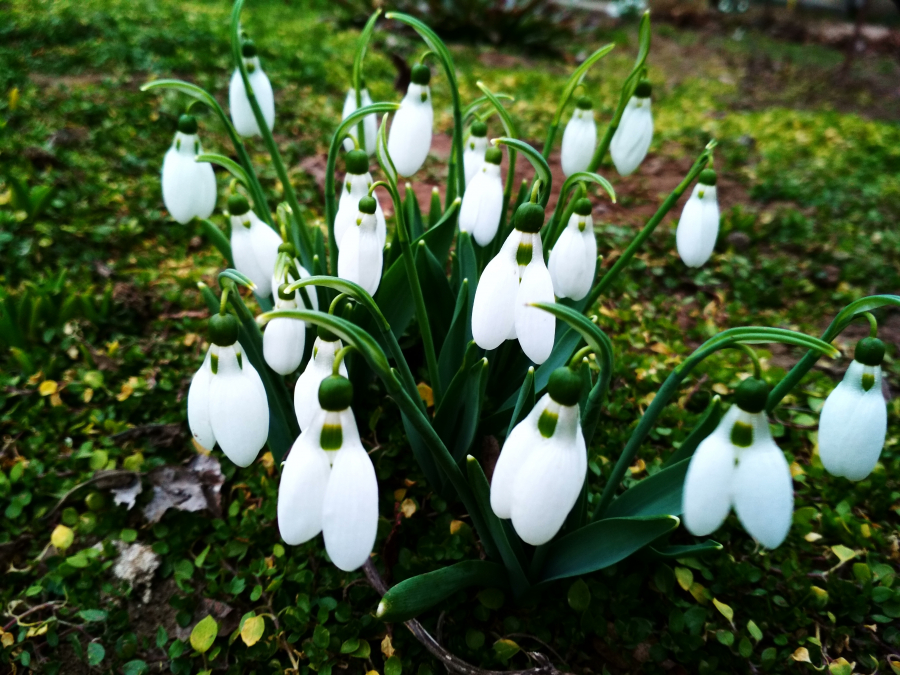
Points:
(698, 226)
(482, 204)
(188, 187)
(410, 137)
(227, 401)
(739, 465)
(632, 138)
(573, 260)
(360, 258)
(288, 270)
(328, 484)
(511, 282)
(579, 139)
(254, 245)
(476, 146)
(370, 123)
(853, 422)
(284, 339)
(306, 391)
(543, 463)
(241, 113)
(356, 186)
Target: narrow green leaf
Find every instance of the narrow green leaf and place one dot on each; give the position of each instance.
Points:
(439, 299)
(435, 210)
(575, 79)
(656, 495)
(413, 213)
(231, 166)
(525, 402)
(458, 336)
(218, 239)
(237, 277)
(541, 168)
(687, 551)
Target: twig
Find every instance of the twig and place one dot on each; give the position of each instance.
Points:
(101, 475)
(32, 610)
(453, 663)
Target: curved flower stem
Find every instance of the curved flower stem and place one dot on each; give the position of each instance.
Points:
(750, 352)
(873, 324)
(727, 338)
(580, 354)
(339, 358)
(651, 225)
(302, 238)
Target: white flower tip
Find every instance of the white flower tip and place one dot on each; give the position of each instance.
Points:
(457, 201)
(408, 185)
(201, 285)
(382, 608)
(435, 191)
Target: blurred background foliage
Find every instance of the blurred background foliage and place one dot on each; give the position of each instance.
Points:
(101, 328)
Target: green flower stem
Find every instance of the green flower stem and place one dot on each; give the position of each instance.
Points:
(751, 353)
(873, 324)
(651, 225)
(837, 326)
(303, 240)
(603, 148)
(727, 338)
(339, 358)
(364, 38)
(509, 126)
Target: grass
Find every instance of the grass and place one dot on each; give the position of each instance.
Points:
(108, 327)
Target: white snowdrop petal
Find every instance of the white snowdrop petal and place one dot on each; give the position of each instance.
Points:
(573, 260)
(853, 425)
(262, 88)
(632, 139)
(360, 258)
(265, 243)
(370, 123)
(241, 113)
(698, 226)
(482, 205)
(473, 156)
(239, 415)
(764, 492)
(306, 391)
(517, 448)
(409, 140)
(301, 492)
(179, 184)
(350, 509)
(198, 404)
(283, 343)
(245, 261)
(493, 311)
(207, 191)
(579, 140)
(535, 328)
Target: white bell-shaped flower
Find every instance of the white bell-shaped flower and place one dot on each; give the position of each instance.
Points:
(340, 500)
(410, 137)
(370, 122)
(739, 465)
(579, 139)
(698, 226)
(284, 339)
(356, 186)
(241, 113)
(511, 282)
(306, 391)
(632, 138)
(475, 147)
(543, 463)
(853, 422)
(360, 258)
(227, 402)
(482, 204)
(188, 187)
(573, 260)
(254, 245)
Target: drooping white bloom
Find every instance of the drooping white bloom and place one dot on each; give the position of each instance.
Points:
(516, 278)
(306, 391)
(573, 260)
(543, 463)
(356, 186)
(284, 339)
(370, 123)
(698, 226)
(632, 138)
(188, 187)
(579, 139)
(254, 245)
(288, 270)
(227, 402)
(482, 204)
(853, 422)
(740, 465)
(241, 113)
(329, 483)
(360, 258)
(473, 153)
(410, 137)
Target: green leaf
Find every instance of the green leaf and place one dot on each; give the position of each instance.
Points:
(237, 277)
(204, 634)
(363, 651)
(579, 596)
(458, 336)
(413, 596)
(162, 637)
(754, 630)
(364, 38)
(232, 167)
(710, 420)
(95, 653)
(474, 639)
(603, 543)
(135, 667)
(505, 649)
(541, 168)
(656, 495)
(393, 666)
(413, 212)
(217, 238)
(439, 237)
(525, 402)
(688, 550)
(349, 288)
(93, 615)
(724, 610)
(492, 598)
(439, 299)
(576, 78)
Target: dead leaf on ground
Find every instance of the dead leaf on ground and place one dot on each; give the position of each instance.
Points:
(192, 488)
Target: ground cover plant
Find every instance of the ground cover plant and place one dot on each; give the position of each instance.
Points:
(105, 330)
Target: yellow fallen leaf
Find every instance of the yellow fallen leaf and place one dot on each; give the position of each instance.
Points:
(56, 400)
(399, 494)
(386, 647)
(865, 530)
(127, 390)
(426, 394)
(726, 611)
(253, 630)
(796, 470)
(801, 654)
(6, 639)
(455, 526)
(408, 507)
(721, 389)
(190, 339)
(661, 348)
(699, 592)
(408, 483)
(35, 631)
(638, 467)
(48, 388)
(268, 462)
(843, 553)
(62, 537)
(684, 577)
(813, 536)
(87, 395)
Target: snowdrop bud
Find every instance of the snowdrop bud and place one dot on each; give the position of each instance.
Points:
(356, 186)
(739, 465)
(482, 204)
(473, 154)
(284, 339)
(698, 226)
(241, 113)
(360, 258)
(514, 280)
(573, 260)
(288, 270)
(254, 245)
(632, 138)
(306, 391)
(370, 123)
(579, 139)
(853, 422)
(188, 187)
(410, 137)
